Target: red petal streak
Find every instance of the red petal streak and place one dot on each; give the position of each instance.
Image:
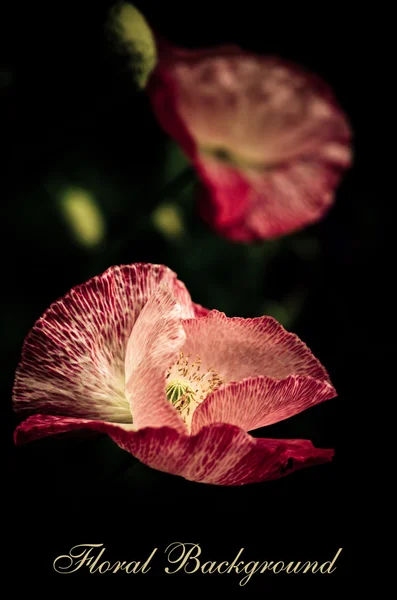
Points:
(73, 359)
(153, 347)
(225, 199)
(238, 348)
(260, 401)
(219, 454)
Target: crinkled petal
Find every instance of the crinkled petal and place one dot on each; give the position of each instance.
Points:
(73, 359)
(267, 138)
(260, 401)
(238, 348)
(153, 347)
(218, 454)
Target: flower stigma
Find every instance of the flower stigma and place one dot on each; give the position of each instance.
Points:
(188, 384)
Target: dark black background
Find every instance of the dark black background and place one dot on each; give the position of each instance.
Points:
(70, 110)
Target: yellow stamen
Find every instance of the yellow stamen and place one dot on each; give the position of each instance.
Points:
(188, 384)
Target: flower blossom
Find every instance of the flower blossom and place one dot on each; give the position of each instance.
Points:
(267, 139)
(129, 354)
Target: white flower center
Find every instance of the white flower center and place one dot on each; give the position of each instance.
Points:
(188, 384)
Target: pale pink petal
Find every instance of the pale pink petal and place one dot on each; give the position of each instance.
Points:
(237, 348)
(73, 359)
(267, 138)
(261, 109)
(152, 348)
(163, 89)
(260, 401)
(218, 454)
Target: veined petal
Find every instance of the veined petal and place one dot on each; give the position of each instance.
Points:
(257, 119)
(218, 454)
(237, 348)
(260, 401)
(73, 359)
(152, 348)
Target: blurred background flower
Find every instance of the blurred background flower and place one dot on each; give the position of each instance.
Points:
(266, 137)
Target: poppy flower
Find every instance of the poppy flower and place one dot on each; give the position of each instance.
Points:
(178, 386)
(267, 139)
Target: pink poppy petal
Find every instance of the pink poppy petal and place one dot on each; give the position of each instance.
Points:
(260, 401)
(199, 311)
(218, 454)
(165, 107)
(237, 348)
(163, 89)
(267, 138)
(264, 206)
(153, 347)
(225, 198)
(73, 359)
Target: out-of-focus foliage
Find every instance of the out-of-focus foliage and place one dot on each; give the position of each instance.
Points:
(83, 216)
(133, 36)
